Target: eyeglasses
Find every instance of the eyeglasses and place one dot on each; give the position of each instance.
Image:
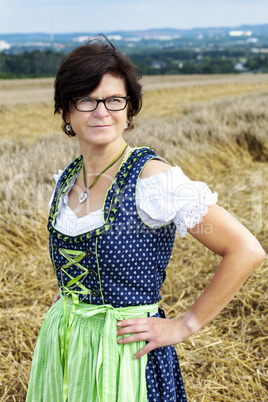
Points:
(112, 103)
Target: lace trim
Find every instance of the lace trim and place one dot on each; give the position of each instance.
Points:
(192, 214)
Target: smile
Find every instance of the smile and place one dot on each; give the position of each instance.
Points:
(101, 126)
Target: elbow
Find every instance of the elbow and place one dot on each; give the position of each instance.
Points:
(261, 255)
(249, 253)
(256, 255)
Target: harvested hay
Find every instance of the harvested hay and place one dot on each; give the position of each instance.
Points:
(227, 360)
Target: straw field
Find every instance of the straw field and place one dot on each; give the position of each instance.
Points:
(216, 129)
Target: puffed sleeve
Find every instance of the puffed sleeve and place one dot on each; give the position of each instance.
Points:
(172, 197)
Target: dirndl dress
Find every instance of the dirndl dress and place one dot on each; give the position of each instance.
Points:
(110, 273)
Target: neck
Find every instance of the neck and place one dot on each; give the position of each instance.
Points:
(98, 157)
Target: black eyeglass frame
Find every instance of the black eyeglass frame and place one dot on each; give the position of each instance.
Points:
(127, 98)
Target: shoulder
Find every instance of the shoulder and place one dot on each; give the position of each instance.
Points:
(153, 167)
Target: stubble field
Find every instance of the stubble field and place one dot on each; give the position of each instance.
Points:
(216, 129)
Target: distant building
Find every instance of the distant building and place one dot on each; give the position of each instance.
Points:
(240, 33)
(161, 37)
(81, 39)
(4, 45)
(239, 67)
(252, 40)
(59, 46)
(133, 39)
(114, 37)
(259, 50)
(158, 64)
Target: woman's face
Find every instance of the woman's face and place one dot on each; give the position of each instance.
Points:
(101, 126)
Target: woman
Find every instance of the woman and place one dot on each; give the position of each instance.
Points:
(112, 224)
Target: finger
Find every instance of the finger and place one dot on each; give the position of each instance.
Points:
(132, 321)
(132, 329)
(146, 349)
(142, 336)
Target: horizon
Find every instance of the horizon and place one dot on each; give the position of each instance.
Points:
(66, 17)
(135, 30)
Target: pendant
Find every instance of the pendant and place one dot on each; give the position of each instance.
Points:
(83, 197)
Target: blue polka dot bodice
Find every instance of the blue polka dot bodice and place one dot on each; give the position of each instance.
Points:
(121, 263)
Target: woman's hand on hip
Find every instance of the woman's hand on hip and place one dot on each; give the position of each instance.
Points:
(156, 331)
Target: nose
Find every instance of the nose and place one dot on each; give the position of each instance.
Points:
(101, 111)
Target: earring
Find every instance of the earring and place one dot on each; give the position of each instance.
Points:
(68, 127)
(126, 126)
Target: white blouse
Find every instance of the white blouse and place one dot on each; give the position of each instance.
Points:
(161, 199)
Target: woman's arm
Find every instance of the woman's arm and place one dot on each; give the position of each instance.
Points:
(241, 252)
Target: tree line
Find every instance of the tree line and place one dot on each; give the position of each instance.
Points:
(39, 63)
(30, 64)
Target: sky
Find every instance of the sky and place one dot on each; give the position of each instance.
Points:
(68, 16)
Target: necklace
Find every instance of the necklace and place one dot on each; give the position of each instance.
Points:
(84, 195)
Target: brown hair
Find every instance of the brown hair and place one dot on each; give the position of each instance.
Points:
(81, 72)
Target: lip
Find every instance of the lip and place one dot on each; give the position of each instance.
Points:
(101, 126)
